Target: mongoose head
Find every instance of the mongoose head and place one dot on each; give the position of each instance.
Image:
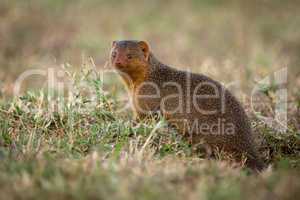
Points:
(129, 56)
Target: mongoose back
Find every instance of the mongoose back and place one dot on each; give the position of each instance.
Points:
(200, 107)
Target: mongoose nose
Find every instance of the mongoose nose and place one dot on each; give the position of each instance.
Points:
(118, 63)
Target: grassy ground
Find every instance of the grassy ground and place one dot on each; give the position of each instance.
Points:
(82, 147)
(89, 150)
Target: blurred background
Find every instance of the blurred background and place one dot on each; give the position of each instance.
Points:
(228, 40)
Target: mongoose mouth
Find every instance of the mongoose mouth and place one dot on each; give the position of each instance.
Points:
(120, 67)
(125, 69)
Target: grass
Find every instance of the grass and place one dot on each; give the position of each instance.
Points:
(84, 148)
(95, 152)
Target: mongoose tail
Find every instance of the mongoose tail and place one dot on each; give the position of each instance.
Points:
(255, 163)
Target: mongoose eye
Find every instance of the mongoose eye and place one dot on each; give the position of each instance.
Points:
(129, 56)
(113, 54)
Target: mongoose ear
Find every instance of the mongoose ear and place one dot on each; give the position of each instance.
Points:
(113, 44)
(145, 48)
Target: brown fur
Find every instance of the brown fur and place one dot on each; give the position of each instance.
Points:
(138, 66)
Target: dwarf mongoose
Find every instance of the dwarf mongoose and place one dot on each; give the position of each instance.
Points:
(198, 106)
